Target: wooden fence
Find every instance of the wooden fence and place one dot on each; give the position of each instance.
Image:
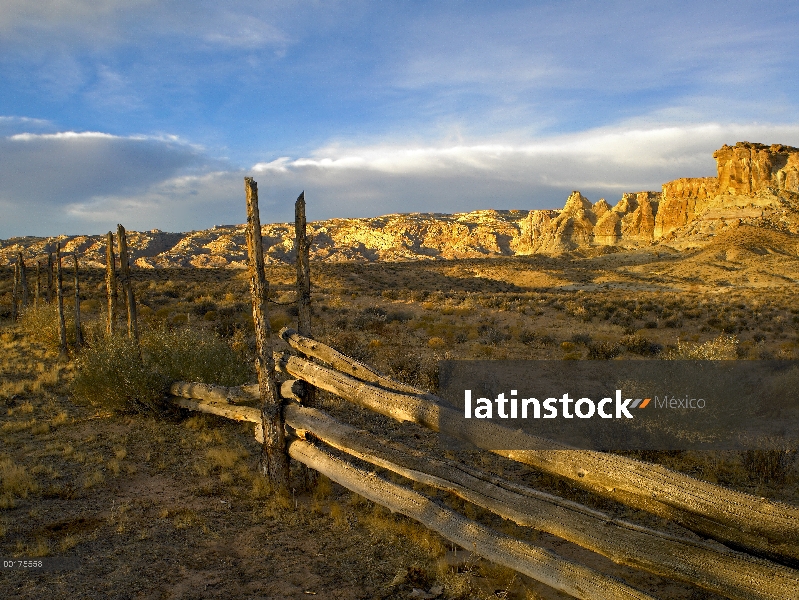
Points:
(53, 260)
(759, 539)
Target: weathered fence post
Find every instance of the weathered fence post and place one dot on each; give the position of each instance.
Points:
(274, 457)
(23, 280)
(38, 283)
(15, 293)
(62, 325)
(49, 277)
(78, 331)
(111, 283)
(127, 284)
(302, 245)
(303, 269)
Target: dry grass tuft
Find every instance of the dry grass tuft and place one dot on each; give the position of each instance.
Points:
(724, 347)
(15, 482)
(93, 479)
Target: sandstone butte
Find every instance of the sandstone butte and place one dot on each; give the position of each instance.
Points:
(756, 185)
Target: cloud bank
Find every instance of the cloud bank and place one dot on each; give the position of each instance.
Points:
(70, 182)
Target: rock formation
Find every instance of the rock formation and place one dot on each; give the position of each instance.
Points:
(747, 168)
(756, 185)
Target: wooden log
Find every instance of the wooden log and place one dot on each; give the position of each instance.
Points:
(222, 409)
(767, 528)
(294, 389)
(49, 277)
(274, 460)
(15, 293)
(78, 329)
(213, 393)
(344, 363)
(127, 283)
(732, 574)
(38, 296)
(23, 280)
(110, 283)
(535, 562)
(62, 325)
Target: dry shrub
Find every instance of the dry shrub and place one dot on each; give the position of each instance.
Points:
(113, 374)
(225, 458)
(603, 350)
(723, 347)
(40, 324)
(193, 355)
(15, 482)
(436, 342)
(638, 344)
(119, 374)
(768, 465)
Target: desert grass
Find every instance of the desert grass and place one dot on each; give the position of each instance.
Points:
(148, 482)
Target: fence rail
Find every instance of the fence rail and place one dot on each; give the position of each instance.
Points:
(711, 566)
(745, 521)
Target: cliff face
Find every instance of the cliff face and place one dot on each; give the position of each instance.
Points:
(748, 168)
(682, 200)
(756, 185)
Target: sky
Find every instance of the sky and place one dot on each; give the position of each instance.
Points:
(150, 113)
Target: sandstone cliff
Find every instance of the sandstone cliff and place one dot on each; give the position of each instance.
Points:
(756, 185)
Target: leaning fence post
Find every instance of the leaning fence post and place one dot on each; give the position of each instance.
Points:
(111, 283)
(78, 332)
(62, 325)
(23, 280)
(127, 284)
(49, 277)
(274, 457)
(15, 293)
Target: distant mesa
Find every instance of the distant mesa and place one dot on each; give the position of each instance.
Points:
(755, 185)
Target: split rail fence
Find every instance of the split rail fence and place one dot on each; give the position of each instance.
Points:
(747, 547)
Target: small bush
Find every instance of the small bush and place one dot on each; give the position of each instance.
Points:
(640, 345)
(15, 482)
(768, 465)
(352, 345)
(603, 350)
(492, 334)
(40, 324)
(581, 339)
(193, 355)
(370, 319)
(113, 374)
(122, 375)
(399, 316)
(436, 342)
(724, 347)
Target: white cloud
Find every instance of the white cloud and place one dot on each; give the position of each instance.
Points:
(86, 182)
(41, 174)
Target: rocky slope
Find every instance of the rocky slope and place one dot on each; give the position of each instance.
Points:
(756, 185)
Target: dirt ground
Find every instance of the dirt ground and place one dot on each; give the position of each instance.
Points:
(171, 506)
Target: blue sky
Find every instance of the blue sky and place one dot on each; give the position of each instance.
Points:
(150, 112)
